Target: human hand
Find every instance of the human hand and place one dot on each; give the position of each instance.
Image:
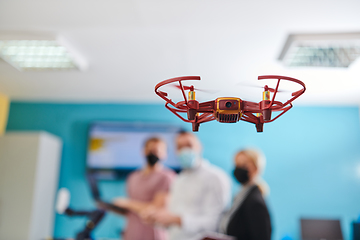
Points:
(121, 202)
(147, 215)
(161, 217)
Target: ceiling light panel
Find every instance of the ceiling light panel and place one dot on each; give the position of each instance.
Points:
(36, 55)
(321, 50)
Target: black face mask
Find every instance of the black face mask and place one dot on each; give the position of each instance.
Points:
(241, 174)
(152, 159)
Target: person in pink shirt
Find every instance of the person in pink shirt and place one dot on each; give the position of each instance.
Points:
(147, 188)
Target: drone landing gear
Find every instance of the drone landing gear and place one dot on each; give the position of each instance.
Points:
(259, 127)
(191, 114)
(266, 112)
(195, 127)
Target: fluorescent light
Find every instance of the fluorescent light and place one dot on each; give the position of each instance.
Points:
(321, 50)
(36, 55)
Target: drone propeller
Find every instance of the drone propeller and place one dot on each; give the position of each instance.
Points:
(266, 87)
(192, 88)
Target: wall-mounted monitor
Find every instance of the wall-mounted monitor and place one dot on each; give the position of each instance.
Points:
(116, 146)
(321, 229)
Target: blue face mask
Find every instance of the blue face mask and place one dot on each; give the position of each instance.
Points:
(188, 158)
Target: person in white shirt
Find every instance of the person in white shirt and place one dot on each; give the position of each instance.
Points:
(198, 196)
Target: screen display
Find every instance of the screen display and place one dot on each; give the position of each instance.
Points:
(321, 229)
(120, 145)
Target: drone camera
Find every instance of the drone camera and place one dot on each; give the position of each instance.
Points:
(228, 104)
(228, 110)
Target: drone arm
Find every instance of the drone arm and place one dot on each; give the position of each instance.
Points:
(207, 107)
(205, 117)
(251, 107)
(249, 117)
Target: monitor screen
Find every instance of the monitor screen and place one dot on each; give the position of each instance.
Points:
(320, 229)
(119, 146)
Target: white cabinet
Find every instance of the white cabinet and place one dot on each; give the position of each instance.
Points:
(29, 171)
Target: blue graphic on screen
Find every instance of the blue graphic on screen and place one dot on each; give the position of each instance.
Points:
(120, 145)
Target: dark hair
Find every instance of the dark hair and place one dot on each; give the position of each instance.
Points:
(183, 131)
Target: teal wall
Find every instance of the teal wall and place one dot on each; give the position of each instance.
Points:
(313, 158)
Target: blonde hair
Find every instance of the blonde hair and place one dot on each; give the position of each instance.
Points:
(259, 160)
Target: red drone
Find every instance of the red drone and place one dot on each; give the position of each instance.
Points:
(228, 109)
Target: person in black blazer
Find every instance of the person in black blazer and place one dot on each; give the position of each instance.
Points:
(248, 218)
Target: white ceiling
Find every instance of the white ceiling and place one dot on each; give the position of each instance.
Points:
(132, 45)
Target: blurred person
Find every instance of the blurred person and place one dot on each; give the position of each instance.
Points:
(198, 195)
(147, 188)
(248, 218)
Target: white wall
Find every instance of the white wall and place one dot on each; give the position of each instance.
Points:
(29, 166)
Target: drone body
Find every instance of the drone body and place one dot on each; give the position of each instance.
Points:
(228, 109)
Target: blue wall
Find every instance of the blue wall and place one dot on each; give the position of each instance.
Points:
(313, 158)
